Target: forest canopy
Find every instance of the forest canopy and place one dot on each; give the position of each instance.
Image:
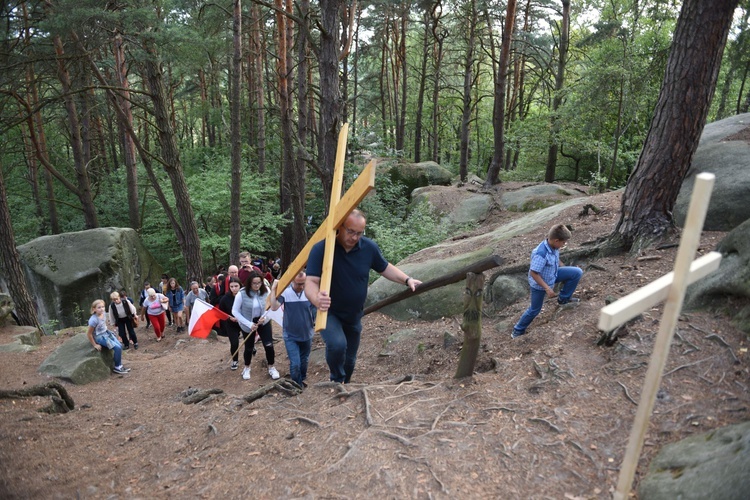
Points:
(210, 127)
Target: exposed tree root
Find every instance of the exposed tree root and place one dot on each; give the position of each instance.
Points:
(61, 400)
(283, 385)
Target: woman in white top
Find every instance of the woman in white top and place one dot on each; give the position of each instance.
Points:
(249, 308)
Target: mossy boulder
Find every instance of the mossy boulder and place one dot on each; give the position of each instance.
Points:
(414, 175)
(78, 362)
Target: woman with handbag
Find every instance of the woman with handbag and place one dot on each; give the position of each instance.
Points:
(156, 304)
(122, 313)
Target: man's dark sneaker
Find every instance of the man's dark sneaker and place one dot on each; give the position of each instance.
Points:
(516, 334)
(572, 300)
(126, 347)
(135, 346)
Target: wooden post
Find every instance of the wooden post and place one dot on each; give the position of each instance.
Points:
(688, 245)
(472, 325)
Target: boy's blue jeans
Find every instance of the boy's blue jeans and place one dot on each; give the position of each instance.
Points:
(569, 276)
(299, 353)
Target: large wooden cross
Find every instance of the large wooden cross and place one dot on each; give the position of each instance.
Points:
(340, 208)
(672, 287)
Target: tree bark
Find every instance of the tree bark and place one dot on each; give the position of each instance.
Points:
(84, 186)
(679, 117)
(128, 148)
(498, 115)
(549, 174)
(422, 85)
(330, 99)
(472, 325)
(11, 263)
(235, 228)
(187, 232)
(466, 107)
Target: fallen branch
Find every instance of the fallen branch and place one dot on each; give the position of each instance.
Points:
(627, 394)
(454, 277)
(687, 365)
(61, 400)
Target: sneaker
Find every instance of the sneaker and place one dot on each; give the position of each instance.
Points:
(126, 347)
(135, 346)
(516, 334)
(234, 366)
(121, 369)
(572, 300)
(246, 373)
(273, 372)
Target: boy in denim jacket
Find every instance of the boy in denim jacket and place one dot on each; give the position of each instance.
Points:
(545, 270)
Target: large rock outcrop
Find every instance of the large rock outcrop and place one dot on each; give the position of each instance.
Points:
(426, 173)
(445, 257)
(711, 465)
(67, 272)
(724, 150)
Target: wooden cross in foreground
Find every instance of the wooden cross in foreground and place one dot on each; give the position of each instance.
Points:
(340, 207)
(672, 287)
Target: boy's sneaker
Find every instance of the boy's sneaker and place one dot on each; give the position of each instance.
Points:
(516, 334)
(572, 300)
(121, 369)
(273, 372)
(135, 346)
(126, 347)
(246, 373)
(234, 366)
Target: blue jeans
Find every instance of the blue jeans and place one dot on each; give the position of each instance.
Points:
(569, 276)
(342, 344)
(116, 346)
(298, 352)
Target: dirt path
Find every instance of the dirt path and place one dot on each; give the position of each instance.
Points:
(547, 416)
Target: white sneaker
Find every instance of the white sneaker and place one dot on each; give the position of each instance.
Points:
(273, 372)
(246, 373)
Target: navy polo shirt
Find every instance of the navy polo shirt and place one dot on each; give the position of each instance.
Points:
(350, 276)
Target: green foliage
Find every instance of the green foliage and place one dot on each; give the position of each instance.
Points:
(419, 229)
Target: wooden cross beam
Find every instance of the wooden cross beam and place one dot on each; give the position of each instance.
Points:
(672, 287)
(337, 213)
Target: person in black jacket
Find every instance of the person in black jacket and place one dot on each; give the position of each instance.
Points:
(121, 313)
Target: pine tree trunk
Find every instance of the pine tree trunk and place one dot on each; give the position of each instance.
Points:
(463, 166)
(11, 264)
(679, 117)
(128, 148)
(187, 232)
(84, 187)
(235, 228)
(330, 102)
(498, 116)
(549, 174)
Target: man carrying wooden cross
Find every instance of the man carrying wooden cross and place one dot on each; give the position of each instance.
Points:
(354, 255)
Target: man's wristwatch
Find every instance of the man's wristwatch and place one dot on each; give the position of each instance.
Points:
(406, 281)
